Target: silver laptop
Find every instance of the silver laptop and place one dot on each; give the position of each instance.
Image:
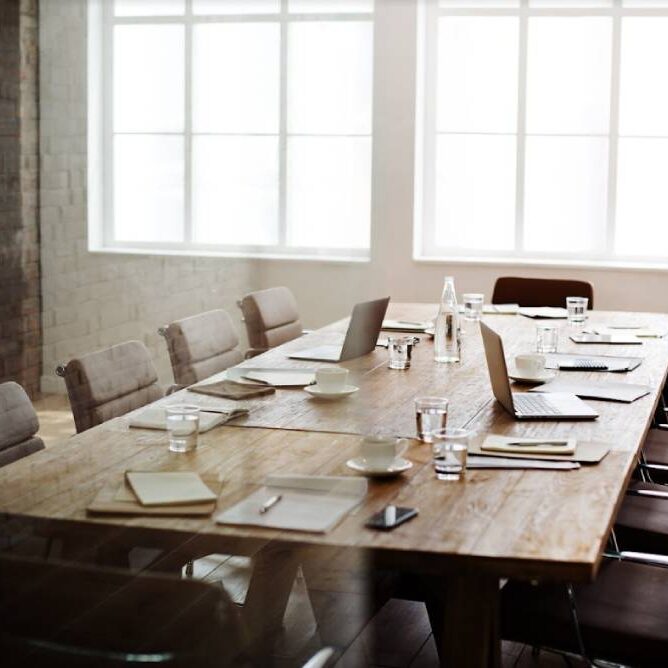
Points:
(528, 406)
(365, 324)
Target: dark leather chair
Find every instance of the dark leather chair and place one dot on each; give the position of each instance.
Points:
(539, 291)
(19, 424)
(621, 617)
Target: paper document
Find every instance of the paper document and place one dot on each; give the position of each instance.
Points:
(405, 325)
(481, 462)
(156, 418)
(623, 392)
(271, 376)
(528, 446)
(555, 360)
(546, 312)
(308, 503)
(168, 488)
(641, 332)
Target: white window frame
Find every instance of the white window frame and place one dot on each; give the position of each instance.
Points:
(425, 248)
(101, 21)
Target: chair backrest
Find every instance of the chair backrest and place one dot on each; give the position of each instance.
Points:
(18, 424)
(201, 346)
(539, 291)
(109, 383)
(61, 614)
(271, 317)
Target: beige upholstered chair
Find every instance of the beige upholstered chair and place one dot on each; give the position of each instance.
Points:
(18, 424)
(109, 383)
(201, 346)
(271, 317)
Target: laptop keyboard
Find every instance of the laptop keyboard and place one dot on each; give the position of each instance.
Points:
(533, 404)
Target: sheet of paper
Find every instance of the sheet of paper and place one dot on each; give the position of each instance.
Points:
(282, 377)
(553, 360)
(482, 462)
(240, 374)
(501, 309)
(156, 418)
(405, 325)
(641, 332)
(623, 392)
(308, 503)
(169, 488)
(546, 312)
(496, 443)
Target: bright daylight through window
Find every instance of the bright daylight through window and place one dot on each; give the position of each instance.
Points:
(237, 125)
(545, 130)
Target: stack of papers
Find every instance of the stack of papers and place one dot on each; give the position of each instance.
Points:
(271, 377)
(156, 418)
(307, 503)
(478, 462)
(555, 360)
(529, 446)
(623, 392)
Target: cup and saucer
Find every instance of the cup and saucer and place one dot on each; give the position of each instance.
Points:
(331, 383)
(381, 457)
(531, 369)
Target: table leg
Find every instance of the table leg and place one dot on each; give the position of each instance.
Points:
(464, 616)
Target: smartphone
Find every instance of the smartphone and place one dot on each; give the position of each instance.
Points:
(390, 517)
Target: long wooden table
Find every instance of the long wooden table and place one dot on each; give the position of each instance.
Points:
(469, 534)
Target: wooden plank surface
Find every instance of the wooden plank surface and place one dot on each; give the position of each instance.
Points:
(529, 523)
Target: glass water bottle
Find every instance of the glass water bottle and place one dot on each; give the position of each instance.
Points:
(447, 343)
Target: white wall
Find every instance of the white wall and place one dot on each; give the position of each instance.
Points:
(91, 301)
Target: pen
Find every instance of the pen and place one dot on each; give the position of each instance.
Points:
(269, 503)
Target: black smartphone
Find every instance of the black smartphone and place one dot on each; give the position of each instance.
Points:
(390, 517)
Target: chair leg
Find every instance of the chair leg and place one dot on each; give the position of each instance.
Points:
(576, 624)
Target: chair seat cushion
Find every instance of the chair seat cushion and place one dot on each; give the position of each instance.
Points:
(656, 447)
(642, 521)
(17, 416)
(623, 614)
(15, 452)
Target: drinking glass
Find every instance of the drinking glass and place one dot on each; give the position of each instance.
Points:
(431, 414)
(399, 348)
(547, 337)
(450, 448)
(473, 302)
(182, 427)
(577, 309)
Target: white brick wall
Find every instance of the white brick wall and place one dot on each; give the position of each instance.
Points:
(90, 301)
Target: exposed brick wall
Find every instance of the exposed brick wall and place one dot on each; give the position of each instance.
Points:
(95, 300)
(20, 342)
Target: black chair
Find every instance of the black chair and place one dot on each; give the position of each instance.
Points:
(539, 291)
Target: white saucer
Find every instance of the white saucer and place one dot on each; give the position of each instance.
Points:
(359, 464)
(318, 392)
(520, 377)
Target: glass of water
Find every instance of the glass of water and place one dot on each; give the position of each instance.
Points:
(547, 336)
(431, 414)
(182, 427)
(399, 349)
(473, 302)
(577, 309)
(450, 448)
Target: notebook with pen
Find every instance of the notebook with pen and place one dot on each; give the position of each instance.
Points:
(307, 503)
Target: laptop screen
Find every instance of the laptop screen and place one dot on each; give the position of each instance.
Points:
(496, 364)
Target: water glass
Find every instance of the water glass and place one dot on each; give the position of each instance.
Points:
(547, 337)
(431, 414)
(577, 309)
(473, 303)
(400, 349)
(450, 448)
(182, 427)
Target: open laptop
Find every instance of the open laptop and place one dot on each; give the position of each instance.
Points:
(363, 330)
(551, 406)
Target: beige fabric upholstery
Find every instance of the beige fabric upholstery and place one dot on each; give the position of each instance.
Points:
(109, 383)
(18, 424)
(271, 317)
(201, 346)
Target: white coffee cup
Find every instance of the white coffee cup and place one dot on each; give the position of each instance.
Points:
(530, 365)
(380, 452)
(331, 378)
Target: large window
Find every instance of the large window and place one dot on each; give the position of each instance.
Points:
(237, 125)
(545, 128)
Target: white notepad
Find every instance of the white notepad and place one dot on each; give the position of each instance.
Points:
(308, 503)
(405, 325)
(281, 377)
(547, 312)
(482, 462)
(169, 488)
(623, 392)
(156, 418)
(529, 446)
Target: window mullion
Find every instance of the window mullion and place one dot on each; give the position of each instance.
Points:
(521, 125)
(283, 128)
(187, 129)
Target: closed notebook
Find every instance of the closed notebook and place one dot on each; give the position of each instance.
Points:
(169, 488)
(155, 417)
(528, 446)
(230, 389)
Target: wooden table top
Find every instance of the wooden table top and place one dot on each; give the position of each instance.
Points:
(505, 523)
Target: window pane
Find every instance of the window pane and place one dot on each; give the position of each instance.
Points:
(476, 4)
(642, 198)
(475, 192)
(148, 188)
(329, 77)
(149, 7)
(565, 205)
(329, 192)
(569, 88)
(329, 6)
(477, 74)
(235, 190)
(236, 6)
(570, 3)
(236, 76)
(644, 96)
(662, 4)
(148, 78)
